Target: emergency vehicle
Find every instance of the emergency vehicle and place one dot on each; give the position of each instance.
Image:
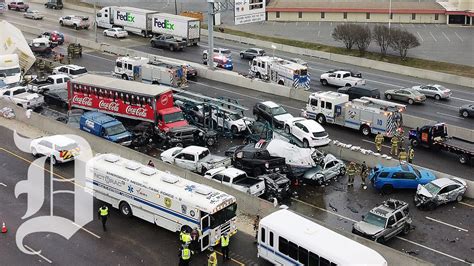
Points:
(150, 71)
(128, 99)
(280, 71)
(162, 198)
(368, 115)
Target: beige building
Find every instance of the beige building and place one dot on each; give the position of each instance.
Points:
(451, 12)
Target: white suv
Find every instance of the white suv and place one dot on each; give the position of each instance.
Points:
(73, 71)
(309, 132)
(61, 148)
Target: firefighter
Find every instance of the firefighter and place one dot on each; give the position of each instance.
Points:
(69, 57)
(378, 142)
(364, 173)
(184, 255)
(411, 154)
(185, 237)
(103, 215)
(225, 246)
(351, 171)
(403, 155)
(212, 258)
(394, 149)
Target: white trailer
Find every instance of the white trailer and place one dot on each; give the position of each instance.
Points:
(186, 28)
(131, 19)
(158, 197)
(368, 115)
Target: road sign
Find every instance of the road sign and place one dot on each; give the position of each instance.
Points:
(249, 11)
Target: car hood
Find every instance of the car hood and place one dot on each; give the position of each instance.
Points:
(367, 228)
(283, 117)
(311, 173)
(421, 190)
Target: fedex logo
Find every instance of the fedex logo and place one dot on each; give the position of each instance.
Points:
(163, 24)
(125, 17)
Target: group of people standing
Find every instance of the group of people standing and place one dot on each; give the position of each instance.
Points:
(190, 245)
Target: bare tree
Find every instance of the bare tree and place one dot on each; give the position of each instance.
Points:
(344, 33)
(363, 37)
(381, 35)
(401, 41)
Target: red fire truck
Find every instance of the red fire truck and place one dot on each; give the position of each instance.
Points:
(129, 99)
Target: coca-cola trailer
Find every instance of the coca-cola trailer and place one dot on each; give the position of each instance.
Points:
(129, 99)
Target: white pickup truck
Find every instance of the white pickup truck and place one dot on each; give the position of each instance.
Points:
(21, 97)
(52, 82)
(340, 79)
(194, 158)
(237, 179)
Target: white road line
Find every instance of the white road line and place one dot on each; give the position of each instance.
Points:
(401, 25)
(307, 24)
(38, 254)
(319, 23)
(450, 225)
(448, 115)
(436, 25)
(296, 23)
(433, 37)
(460, 99)
(446, 36)
(467, 204)
(371, 142)
(419, 35)
(3, 184)
(458, 36)
(331, 23)
(424, 25)
(447, 105)
(100, 57)
(83, 228)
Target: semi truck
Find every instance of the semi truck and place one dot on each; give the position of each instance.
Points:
(10, 72)
(181, 27)
(134, 20)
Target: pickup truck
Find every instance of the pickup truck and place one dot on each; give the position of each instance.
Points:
(77, 22)
(52, 82)
(237, 179)
(340, 79)
(194, 158)
(167, 42)
(255, 161)
(18, 6)
(21, 97)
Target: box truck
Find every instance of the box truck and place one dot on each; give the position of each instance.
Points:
(181, 27)
(131, 19)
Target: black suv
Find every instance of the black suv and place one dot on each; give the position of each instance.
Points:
(188, 135)
(272, 113)
(54, 4)
(358, 92)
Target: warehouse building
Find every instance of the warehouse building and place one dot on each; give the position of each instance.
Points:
(449, 12)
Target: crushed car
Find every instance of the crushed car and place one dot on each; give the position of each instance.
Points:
(440, 191)
(330, 167)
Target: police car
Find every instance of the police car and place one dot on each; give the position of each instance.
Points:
(61, 149)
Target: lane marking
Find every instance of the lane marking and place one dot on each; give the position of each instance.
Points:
(371, 142)
(232, 259)
(458, 36)
(38, 254)
(452, 116)
(87, 231)
(447, 105)
(319, 31)
(433, 37)
(450, 225)
(459, 99)
(419, 35)
(3, 184)
(467, 204)
(446, 36)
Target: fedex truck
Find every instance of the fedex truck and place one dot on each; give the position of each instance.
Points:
(181, 27)
(131, 19)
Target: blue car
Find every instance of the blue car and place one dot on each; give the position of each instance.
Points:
(403, 176)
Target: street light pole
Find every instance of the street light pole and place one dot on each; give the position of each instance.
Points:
(95, 20)
(176, 8)
(389, 14)
(210, 29)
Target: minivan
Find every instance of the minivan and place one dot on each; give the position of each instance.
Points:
(106, 127)
(360, 91)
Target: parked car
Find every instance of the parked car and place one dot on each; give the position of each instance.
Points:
(54, 37)
(408, 95)
(54, 4)
(21, 97)
(194, 158)
(33, 14)
(307, 131)
(40, 46)
(56, 97)
(255, 161)
(52, 82)
(73, 71)
(385, 221)
(18, 6)
(59, 148)
(77, 22)
(440, 191)
(357, 92)
(188, 135)
(434, 90)
(116, 33)
(467, 110)
(167, 42)
(237, 179)
(251, 53)
(403, 176)
(330, 167)
(271, 112)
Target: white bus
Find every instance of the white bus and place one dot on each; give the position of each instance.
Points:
(286, 238)
(161, 198)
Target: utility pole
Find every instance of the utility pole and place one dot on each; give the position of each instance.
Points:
(212, 9)
(176, 8)
(95, 20)
(389, 14)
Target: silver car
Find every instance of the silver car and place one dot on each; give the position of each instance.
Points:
(330, 167)
(33, 14)
(406, 95)
(434, 90)
(440, 191)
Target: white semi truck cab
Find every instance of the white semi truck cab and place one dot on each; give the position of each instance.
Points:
(10, 71)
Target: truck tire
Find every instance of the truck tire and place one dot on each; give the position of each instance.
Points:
(234, 130)
(61, 23)
(321, 119)
(125, 209)
(324, 82)
(406, 229)
(387, 189)
(210, 142)
(465, 113)
(459, 198)
(153, 44)
(414, 143)
(124, 76)
(76, 27)
(281, 83)
(171, 48)
(342, 171)
(34, 152)
(388, 96)
(365, 130)
(258, 75)
(238, 165)
(463, 159)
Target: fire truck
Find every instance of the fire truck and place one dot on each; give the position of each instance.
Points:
(128, 99)
(150, 71)
(368, 115)
(280, 71)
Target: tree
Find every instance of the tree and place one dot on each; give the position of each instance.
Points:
(401, 41)
(363, 37)
(344, 33)
(381, 35)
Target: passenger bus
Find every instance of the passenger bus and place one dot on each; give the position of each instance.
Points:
(286, 238)
(158, 197)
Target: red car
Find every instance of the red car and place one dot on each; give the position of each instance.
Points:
(18, 6)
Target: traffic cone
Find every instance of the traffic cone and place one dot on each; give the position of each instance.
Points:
(4, 228)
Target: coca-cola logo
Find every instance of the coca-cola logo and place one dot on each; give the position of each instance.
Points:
(111, 106)
(164, 100)
(136, 111)
(87, 101)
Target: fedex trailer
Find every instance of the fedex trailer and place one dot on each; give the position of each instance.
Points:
(131, 19)
(181, 27)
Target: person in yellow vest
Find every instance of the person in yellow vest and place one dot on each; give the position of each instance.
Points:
(411, 154)
(394, 149)
(351, 171)
(103, 215)
(185, 237)
(212, 258)
(184, 255)
(378, 142)
(225, 246)
(402, 157)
